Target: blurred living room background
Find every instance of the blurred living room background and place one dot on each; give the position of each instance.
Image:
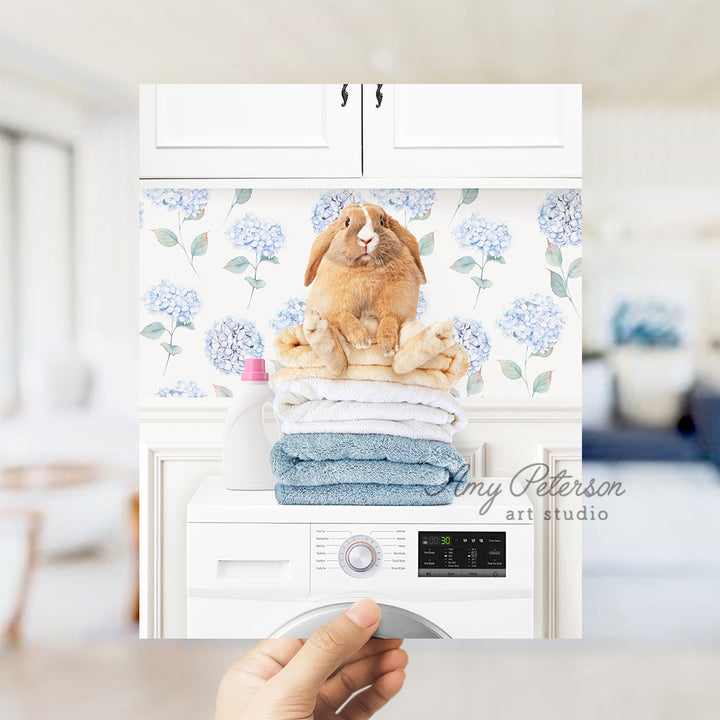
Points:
(68, 215)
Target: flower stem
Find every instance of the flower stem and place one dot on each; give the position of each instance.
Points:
(482, 274)
(255, 269)
(456, 212)
(228, 213)
(172, 332)
(567, 290)
(182, 246)
(524, 376)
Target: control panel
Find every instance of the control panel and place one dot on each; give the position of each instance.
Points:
(429, 561)
(461, 554)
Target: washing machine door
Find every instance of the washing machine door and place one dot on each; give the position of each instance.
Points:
(394, 623)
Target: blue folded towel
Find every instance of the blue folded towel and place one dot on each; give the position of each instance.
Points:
(353, 469)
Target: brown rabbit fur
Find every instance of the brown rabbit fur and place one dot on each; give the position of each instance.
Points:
(367, 274)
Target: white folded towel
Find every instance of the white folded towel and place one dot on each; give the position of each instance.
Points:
(316, 405)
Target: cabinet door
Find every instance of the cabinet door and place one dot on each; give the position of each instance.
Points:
(249, 131)
(484, 131)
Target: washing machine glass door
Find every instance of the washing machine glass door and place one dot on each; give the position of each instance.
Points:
(395, 623)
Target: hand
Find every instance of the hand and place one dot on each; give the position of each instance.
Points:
(311, 679)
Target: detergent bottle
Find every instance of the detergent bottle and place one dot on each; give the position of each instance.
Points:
(246, 449)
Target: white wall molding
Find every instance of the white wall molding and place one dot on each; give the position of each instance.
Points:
(153, 527)
(558, 554)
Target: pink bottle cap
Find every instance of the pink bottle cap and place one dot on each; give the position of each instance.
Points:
(254, 370)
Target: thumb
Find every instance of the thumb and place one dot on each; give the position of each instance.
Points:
(326, 650)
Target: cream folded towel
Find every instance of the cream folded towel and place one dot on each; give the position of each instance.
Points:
(316, 405)
(440, 372)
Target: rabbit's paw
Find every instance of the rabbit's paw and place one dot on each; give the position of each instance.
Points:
(315, 322)
(358, 337)
(388, 343)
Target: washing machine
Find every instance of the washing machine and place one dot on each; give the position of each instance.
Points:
(258, 569)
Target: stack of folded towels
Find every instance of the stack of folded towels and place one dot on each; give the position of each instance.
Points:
(370, 437)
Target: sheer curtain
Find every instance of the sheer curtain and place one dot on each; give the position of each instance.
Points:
(37, 263)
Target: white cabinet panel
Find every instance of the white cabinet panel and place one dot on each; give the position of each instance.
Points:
(501, 131)
(242, 131)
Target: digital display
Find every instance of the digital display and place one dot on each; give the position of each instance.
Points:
(461, 554)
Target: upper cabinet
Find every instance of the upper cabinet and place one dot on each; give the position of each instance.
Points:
(250, 131)
(482, 131)
(494, 132)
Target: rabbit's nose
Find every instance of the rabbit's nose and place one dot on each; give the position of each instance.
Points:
(365, 242)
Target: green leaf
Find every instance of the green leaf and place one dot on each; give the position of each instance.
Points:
(510, 369)
(483, 284)
(427, 244)
(196, 216)
(454, 393)
(153, 331)
(553, 255)
(542, 382)
(237, 265)
(558, 285)
(468, 195)
(463, 265)
(496, 258)
(575, 269)
(543, 353)
(167, 238)
(271, 259)
(187, 325)
(172, 349)
(475, 383)
(222, 392)
(199, 245)
(421, 216)
(257, 284)
(242, 196)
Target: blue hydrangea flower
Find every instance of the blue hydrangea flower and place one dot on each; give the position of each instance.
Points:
(471, 336)
(480, 233)
(265, 237)
(422, 305)
(407, 200)
(229, 341)
(651, 323)
(560, 218)
(176, 301)
(290, 313)
(329, 206)
(182, 388)
(536, 322)
(187, 201)
(141, 215)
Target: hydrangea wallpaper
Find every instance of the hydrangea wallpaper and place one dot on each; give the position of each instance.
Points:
(221, 273)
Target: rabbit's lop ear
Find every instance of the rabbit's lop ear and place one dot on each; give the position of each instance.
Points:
(319, 248)
(408, 239)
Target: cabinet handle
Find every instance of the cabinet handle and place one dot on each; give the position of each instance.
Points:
(379, 95)
(344, 95)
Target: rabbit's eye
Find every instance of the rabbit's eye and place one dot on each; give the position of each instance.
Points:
(382, 221)
(347, 222)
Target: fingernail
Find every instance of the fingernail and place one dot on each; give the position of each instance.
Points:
(364, 613)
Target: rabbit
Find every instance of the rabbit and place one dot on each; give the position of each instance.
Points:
(365, 271)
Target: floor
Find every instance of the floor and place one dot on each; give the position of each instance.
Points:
(178, 680)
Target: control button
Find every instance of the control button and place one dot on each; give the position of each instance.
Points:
(360, 557)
